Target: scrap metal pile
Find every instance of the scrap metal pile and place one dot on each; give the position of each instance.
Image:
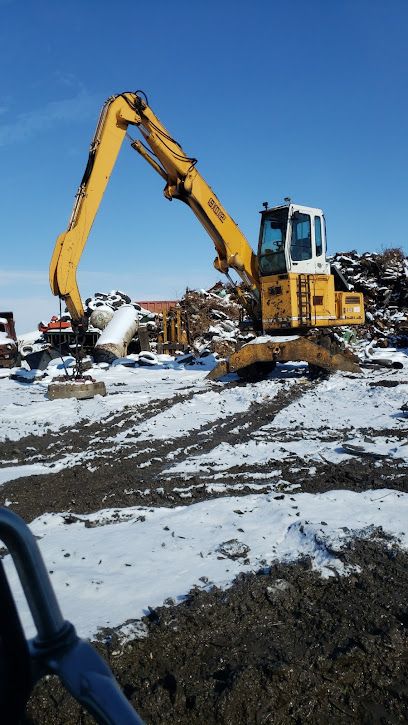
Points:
(214, 315)
(213, 318)
(383, 280)
(106, 304)
(99, 309)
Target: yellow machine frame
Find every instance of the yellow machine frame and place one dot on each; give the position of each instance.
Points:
(283, 302)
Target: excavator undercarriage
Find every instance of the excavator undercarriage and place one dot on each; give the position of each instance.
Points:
(256, 359)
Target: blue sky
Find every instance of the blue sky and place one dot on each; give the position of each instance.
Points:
(299, 98)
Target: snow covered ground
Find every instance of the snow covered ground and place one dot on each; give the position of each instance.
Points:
(25, 409)
(129, 559)
(110, 565)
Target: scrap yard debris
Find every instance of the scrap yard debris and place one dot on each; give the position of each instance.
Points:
(383, 280)
(99, 309)
(211, 321)
(9, 355)
(214, 318)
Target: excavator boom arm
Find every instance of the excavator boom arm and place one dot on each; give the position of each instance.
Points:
(183, 182)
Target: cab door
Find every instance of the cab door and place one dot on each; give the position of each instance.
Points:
(306, 241)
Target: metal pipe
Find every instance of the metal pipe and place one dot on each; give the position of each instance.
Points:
(119, 331)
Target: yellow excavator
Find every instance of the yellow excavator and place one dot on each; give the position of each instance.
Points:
(288, 288)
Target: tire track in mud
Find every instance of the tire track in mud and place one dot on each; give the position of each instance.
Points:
(47, 447)
(137, 472)
(132, 474)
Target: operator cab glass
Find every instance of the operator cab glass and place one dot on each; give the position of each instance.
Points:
(301, 237)
(318, 236)
(272, 258)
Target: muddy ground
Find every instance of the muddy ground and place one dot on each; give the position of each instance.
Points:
(279, 646)
(136, 473)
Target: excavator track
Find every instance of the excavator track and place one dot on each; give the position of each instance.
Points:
(296, 350)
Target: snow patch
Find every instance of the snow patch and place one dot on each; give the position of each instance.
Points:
(101, 564)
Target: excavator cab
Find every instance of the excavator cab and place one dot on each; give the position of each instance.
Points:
(292, 239)
(297, 288)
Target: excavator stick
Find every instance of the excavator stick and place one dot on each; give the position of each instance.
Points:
(300, 349)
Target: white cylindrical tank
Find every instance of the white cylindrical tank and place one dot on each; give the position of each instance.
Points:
(115, 338)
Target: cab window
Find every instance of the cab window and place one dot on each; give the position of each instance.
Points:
(301, 239)
(272, 251)
(318, 236)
